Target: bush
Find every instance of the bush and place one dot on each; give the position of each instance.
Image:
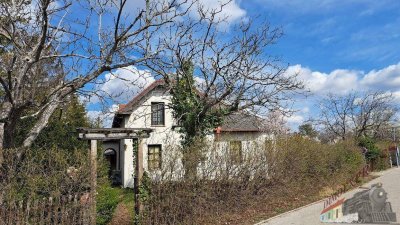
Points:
(376, 155)
(38, 173)
(287, 173)
(43, 173)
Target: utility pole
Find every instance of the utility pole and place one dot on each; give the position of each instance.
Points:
(397, 147)
(93, 180)
(397, 154)
(147, 24)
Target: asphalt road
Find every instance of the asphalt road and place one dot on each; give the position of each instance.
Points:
(309, 215)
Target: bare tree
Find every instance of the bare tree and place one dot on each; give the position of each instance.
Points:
(372, 113)
(356, 114)
(50, 49)
(232, 66)
(335, 114)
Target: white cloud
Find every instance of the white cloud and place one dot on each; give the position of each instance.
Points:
(294, 121)
(105, 117)
(231, 10)
(116, 88)
(388, 77)
(396, 96)
(342, 81)
(121, 85)
(297, 118)
(319, 6)
(338, 81)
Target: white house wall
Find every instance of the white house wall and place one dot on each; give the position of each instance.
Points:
(161, 135)
(169, 139)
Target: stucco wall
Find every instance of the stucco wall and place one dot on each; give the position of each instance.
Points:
(169, 138)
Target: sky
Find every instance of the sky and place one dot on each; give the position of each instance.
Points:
(335, 46)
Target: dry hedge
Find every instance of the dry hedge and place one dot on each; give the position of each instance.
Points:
(288, 172)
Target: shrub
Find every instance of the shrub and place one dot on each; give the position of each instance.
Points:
(376, 155)
(290, 168)
(43, 173)
(38, 173)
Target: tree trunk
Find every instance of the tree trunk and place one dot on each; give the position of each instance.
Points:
(41, 123)
(10, 128)
(1, 142)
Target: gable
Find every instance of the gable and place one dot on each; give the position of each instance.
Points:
(130, 106)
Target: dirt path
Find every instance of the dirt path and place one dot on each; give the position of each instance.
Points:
(122, 215)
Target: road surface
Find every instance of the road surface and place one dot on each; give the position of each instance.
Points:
(309, 215)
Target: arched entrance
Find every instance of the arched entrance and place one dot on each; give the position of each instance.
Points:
(111, 156)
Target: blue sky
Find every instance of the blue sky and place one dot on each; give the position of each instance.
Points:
(329, 34)
(335, 45)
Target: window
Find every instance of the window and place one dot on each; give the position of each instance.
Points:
(235, 151)
(154, 157)
(157, 113)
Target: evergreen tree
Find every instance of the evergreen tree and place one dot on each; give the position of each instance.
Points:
(61, 129)
(307, 129)
(188, 107)
(194, 122)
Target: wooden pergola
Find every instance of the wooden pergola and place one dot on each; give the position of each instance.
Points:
(95, 134)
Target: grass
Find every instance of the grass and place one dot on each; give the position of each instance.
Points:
(115, 205)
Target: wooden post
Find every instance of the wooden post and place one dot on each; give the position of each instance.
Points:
(1, 142)
(93, 180)
(138, 178)
(397, 156)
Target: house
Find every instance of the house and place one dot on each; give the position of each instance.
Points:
(333, 212)
(149, 109)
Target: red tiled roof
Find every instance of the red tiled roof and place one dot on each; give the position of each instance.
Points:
(336, 204)
(121, 106)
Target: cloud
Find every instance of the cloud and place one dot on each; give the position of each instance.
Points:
(231, 11)
(299, 117)
(342, 81)
(386, 78)
(339, 81)
(104, 117)
(121, 85)
(367, 7)
(117, 87)
(295, 119)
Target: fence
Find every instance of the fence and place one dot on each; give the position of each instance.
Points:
(47, 211)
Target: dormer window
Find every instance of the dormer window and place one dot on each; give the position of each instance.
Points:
(157, 114)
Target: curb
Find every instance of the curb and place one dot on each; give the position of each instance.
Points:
(293, 210)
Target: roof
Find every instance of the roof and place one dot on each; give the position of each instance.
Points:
(336, 204)
(242, 121)
(237, 122)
